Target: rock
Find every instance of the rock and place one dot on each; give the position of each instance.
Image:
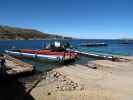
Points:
(68, 88)
(57, 87)
(64, 80)
(57, 75)
(49, 93)
(64, 88)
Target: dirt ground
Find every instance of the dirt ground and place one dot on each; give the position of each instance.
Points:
(109, 81)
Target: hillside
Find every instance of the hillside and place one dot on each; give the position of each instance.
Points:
(7, 32)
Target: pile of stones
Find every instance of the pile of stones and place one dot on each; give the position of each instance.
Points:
(62, 82)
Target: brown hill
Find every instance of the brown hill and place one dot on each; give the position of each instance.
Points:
(7, 32)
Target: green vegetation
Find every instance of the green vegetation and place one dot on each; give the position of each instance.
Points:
(7, 32)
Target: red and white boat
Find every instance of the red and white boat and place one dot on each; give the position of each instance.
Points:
(55, 55)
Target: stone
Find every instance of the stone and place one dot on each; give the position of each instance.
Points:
(49, 93)
(57, 87)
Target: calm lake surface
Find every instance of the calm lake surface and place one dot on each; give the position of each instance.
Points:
(114, 47)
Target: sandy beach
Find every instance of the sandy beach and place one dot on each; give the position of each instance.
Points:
(81, 80)
(108, 81)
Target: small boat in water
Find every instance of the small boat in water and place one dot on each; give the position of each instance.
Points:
(93, 44)
(125, 41)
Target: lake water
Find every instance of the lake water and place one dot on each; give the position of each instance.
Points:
(114, 47)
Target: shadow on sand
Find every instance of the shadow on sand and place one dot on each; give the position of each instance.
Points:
(13, 90)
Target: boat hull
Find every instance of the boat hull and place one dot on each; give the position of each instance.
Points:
(35, 56)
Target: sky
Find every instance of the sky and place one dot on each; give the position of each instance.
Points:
(87, 19)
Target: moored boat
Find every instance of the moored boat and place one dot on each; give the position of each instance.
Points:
(93, 44)
(55, 55)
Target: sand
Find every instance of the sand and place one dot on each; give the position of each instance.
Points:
(109, 81)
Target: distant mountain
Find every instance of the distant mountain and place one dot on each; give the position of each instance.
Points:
(7, 32)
